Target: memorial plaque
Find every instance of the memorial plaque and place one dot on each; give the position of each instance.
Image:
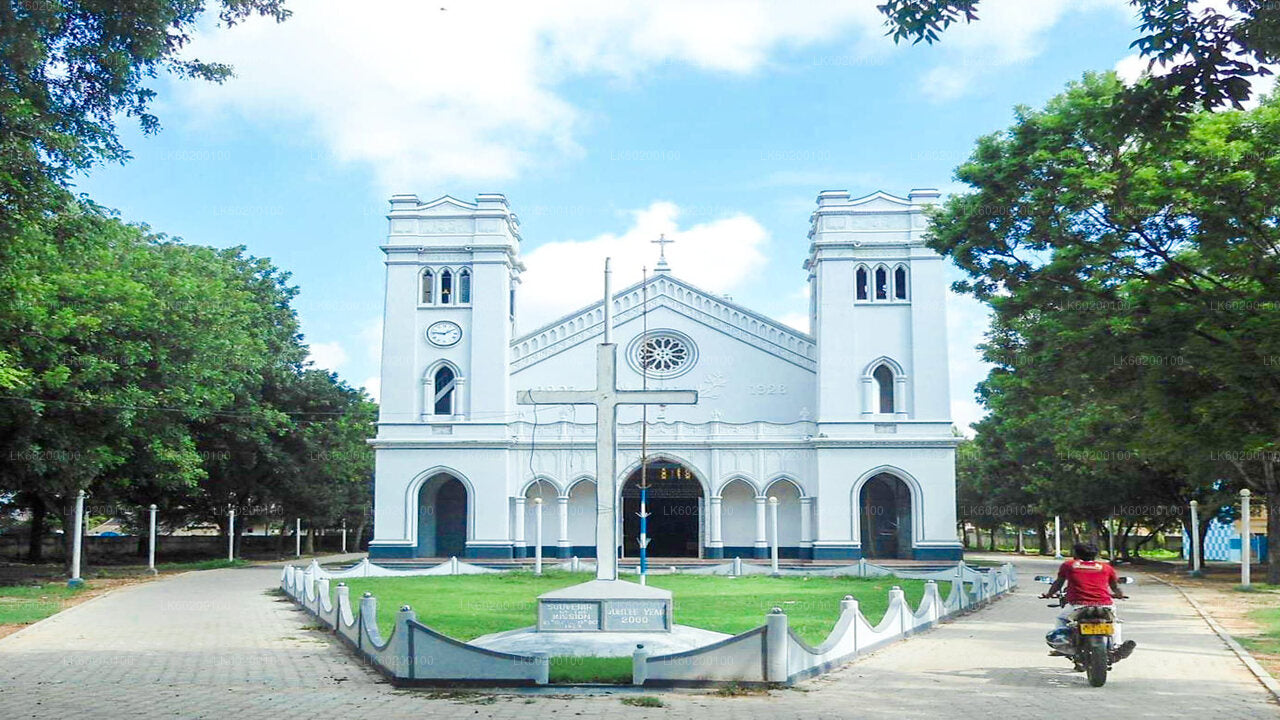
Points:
(568, 616)
(636, 616)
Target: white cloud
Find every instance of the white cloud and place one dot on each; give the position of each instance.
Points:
(1007, 32)
(329, 356)
(719, 256)
(427, 97)
(373, 386)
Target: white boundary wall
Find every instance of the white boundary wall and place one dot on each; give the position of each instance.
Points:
(771, 653)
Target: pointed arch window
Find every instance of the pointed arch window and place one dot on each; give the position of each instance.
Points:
(446, 287)
(900, 283)
(428, 286)
(862, 282)
(884, 384)
(445, 384)
(882, 284)
(464, 286)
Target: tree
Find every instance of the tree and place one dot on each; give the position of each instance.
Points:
(126, 339)
(1139, 265)
(71, 67)
(1209, 55)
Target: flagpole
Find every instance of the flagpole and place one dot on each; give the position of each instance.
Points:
(644, 434)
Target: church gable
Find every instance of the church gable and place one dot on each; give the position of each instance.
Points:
(677, 296)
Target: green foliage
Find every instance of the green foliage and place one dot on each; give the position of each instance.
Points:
(72, 67)
(468, 606)
(1135, 282)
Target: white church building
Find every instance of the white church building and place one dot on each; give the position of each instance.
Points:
(849, 427)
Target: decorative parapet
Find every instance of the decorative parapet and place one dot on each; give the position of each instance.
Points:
(728, 317)
(415, 654)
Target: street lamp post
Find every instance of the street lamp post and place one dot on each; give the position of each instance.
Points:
(231, 535)
(297, 536)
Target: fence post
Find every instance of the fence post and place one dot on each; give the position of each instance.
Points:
(231, 535)
(1245, 540)
(849, 605)
(639, 670)
(76, 580)
(1195, 538)
(151, 543)
(775, 638)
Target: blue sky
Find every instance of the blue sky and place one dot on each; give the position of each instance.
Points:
(604, 124)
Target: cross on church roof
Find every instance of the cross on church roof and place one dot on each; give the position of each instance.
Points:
(662, 243)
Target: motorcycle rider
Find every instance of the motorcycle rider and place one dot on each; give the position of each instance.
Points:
(1089, 583)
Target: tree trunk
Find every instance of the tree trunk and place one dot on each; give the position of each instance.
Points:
(359, 537)
(991, 541)
(284, 535)
(35, 543)
(1042, 537)
(1022, 547)
(311, 541)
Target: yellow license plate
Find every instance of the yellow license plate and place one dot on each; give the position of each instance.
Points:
(1097, 629)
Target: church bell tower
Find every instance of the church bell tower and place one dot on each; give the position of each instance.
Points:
(878, 310)
(452, 270)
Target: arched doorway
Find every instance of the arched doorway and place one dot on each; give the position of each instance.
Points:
(674, 502)
(885, 506)
(442, 517)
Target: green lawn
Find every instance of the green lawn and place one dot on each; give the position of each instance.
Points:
(25, 604)
(468, 606)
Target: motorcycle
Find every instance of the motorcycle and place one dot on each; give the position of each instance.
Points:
(1088, 638)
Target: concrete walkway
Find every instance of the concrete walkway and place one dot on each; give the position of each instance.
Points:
(215, 644)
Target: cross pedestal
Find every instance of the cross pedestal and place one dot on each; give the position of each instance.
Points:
(606, 604)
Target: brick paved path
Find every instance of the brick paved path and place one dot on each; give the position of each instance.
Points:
(214, 644)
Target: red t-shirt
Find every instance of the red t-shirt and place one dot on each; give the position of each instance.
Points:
(1088, 582)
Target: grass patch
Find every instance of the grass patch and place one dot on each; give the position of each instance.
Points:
(1268, 641)
(590, 670)
(643, 701)
(468, 606)
(25, 604)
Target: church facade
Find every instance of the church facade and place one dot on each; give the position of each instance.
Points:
(848, 428)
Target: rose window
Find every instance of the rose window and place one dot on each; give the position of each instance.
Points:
(663, 354)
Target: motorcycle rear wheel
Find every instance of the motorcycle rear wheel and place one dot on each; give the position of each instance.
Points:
(1096, 662)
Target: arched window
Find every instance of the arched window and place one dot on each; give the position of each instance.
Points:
(446, 287)
(428, 285)
(882, 283)
(445, 384)
(862, 282)
(884, 383)
(464, 286)
(900, 283)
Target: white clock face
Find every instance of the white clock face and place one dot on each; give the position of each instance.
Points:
(444, 333)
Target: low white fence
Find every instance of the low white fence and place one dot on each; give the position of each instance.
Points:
(772, 653)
